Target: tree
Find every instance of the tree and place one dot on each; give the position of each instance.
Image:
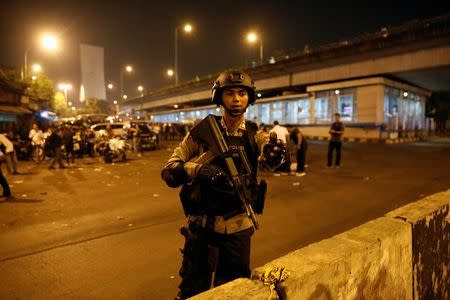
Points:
(60, 104)
(94, 105)
(42, 88)
(438, 107)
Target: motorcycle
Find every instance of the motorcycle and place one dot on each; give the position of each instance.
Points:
(115, 149)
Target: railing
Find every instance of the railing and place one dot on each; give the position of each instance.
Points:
(410, 32)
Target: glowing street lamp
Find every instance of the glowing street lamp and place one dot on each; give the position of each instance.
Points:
(141, 90)
(170, 72)
(124, 97)
(36, 68)
(48, 42)
(110, 86)
(252, 38)
(128, 69)
(115, 102)
(34, 77)
(187, 28)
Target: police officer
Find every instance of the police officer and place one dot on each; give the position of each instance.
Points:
(218, 233)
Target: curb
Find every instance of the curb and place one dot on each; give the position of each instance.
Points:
(369, 140)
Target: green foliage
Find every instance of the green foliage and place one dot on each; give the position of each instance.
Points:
(41, 88)
(60, 105)
(94, 105)
(438, 106)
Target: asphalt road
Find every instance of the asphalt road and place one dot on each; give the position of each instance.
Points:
(101, 231)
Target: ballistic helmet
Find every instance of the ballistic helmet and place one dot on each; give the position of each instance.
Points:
(233, 78)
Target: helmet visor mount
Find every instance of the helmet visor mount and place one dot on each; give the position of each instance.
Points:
(233, 78)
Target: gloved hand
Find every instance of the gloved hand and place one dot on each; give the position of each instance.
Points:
(212, 174)
(174, 177)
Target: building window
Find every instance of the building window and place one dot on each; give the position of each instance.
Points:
(277, 112)
(303, 111)
(265, 113)
(291, 111)
(345, 107)
(321, 110)
(392, 104)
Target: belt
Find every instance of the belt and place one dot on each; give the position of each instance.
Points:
(221, 225)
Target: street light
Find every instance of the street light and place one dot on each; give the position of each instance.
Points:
(36, 68)
(252, 37)
(170, 72)
(128, 69)
(188, 29)
(110, 86)
(141, 89)
(48, 42)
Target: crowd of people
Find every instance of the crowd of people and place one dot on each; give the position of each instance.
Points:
(276, 153)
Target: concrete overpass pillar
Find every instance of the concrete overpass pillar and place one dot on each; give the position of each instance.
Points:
(312, 108)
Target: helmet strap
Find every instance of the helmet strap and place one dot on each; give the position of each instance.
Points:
(235, 112)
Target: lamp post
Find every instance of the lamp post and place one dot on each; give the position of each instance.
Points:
(48, 42)
(252, 37)
(186, 28)
(128, 69)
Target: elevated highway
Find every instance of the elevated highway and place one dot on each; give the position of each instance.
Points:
(417, 53)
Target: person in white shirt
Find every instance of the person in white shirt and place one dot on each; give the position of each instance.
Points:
(36, 136)
(10, 155)
(282, 133)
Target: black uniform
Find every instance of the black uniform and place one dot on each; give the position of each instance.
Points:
(335, 143)
(300, 152)
(218, 231)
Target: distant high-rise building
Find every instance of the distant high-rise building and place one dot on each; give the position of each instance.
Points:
(92, 72)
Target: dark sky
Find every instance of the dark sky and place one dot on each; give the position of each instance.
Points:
(142, 32)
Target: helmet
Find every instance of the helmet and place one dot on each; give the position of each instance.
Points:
(233, 78)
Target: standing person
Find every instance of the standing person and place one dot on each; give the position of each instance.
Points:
(218, 229)
(11, 155)
(157, 130)
(55, 142)
(5, 186)
(132, 135)
(90, 140)
(336, 132)
(69, 145)
(282, 133)
(36, 135)
(300, 149)
(37, 138)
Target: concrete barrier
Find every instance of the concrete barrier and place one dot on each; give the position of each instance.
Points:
(403, 255)
(429, 219)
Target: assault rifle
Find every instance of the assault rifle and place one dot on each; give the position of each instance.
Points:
(208, 132)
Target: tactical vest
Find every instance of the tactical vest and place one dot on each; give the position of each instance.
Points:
(200, 198)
